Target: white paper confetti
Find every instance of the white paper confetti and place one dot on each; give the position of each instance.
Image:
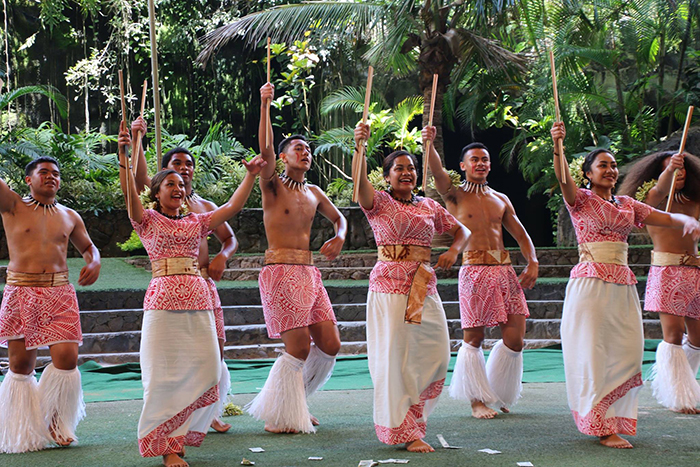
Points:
(312, 458)
(394, 461)
(445, 444)
(525, 464)
(367, 463)
(256, 449)
(489, 451)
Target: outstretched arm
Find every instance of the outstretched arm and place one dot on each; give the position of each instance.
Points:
(234, 205)
(569, 189)
(366, 191)
(331, 249)
(443, 184)
(461, 235)
(661, 190)
(515, 228)
(142, 178)
(124, 142)
(81, 241)
(267, 93)
(674, 220)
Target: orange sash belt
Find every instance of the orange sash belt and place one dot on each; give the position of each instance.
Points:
(486, 257)
(289, 256)
(603, 252)
(419, 281)
(661, 258)
(42, 279)
(175, 267)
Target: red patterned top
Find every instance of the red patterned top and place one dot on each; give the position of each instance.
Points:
(598, 220)
(394, 223)
(169, 238)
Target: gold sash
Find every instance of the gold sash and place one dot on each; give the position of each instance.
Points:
(289, 256)
(661, 258)
(603, 252)
(41, 279)
(204, 272)
(486, 257)
(175, 267)
(419, 281)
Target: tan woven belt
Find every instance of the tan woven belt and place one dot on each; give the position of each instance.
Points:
(42, 279)
(603, 252)
(486, 257)
(403, 253)
(289, 256)
(204, 272)
(661, 258)
(175, 267)
(419, 281)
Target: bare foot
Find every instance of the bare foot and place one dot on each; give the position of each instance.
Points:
(314, 421)
(505, 409)
(614, 441)
(62, 442)
(220, 426)
(688, 411)
(419, 446)
(273, 429)
(173, 460)
(479, 410)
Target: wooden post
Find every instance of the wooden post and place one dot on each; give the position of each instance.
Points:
(684, 138)
(358, 163)
(426, 147)
(557, 113)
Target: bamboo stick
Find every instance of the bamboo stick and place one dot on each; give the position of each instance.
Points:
(426, 148)
(128, 178)
(137, 148)
(154, 75)
(684, 138)
(560, 143)
(268, 136)
(358, 161)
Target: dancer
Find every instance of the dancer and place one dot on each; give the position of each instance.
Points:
(601, 328)
(179, 364)
(407, 339)
(295, 303)
(39, 309)
(673, 285)
(180, 160)
(489, 291)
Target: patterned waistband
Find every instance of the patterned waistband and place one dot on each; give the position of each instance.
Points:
(661, 258)
(289, 256)
(42, 279)
(403, 253)
(603, 252)
(486, 257)
(175, 267)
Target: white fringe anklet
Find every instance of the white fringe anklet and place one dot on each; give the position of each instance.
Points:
(693, 354)
(282, 400)
(22, 425)
(469, 381)
(317, 370)
(62, 401)
(673, 383)
(504, 369)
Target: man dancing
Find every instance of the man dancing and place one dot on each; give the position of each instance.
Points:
(39, 308)
(489, 292)
(295, 304)
(181, 160)
(673, 285)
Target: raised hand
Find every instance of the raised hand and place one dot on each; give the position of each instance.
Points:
(361, 133)
(255, 165)
(267, 92)
(428, 134)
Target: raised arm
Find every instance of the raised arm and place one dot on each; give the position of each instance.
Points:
(569, 189)
(234, 205)
(460, 236)
(331, 249)
(662, 188)
(443, 184)
(515, 228)
(124, 142)
(366, 192)
(82, 242)
(142, 178)
(8, 198)
(267, 93)
(674, 220)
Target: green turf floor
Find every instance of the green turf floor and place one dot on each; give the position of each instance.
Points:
(540, 430)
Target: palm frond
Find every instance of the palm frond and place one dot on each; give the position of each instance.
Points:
(48, 91)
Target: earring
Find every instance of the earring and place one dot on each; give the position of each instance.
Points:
(588, 184)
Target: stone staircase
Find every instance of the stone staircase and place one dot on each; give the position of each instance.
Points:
(111, 320)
